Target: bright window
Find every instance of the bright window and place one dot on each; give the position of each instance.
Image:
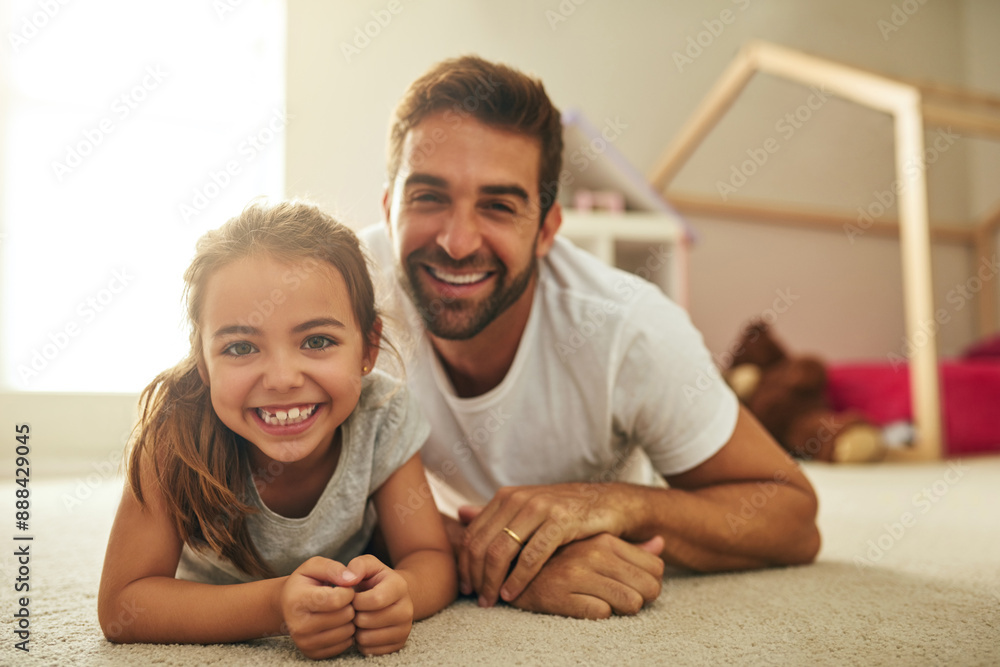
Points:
(129, 128)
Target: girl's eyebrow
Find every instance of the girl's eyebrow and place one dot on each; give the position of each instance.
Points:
(247, 330)
(319, 322)
(242, 329)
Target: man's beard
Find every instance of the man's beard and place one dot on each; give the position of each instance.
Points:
(462, 319)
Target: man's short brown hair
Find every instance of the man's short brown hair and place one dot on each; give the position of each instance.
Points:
(492, 93)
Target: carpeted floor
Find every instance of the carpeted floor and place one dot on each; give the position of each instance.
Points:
(909, 574)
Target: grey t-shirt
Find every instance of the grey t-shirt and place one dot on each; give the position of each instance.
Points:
(383, 432)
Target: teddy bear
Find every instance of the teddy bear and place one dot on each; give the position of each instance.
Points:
(788, 397)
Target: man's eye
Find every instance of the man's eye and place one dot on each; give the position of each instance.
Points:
(500, 207)
(240, 349)
(317, 342)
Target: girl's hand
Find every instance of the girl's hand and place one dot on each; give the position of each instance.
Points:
(316, 605)
(383, 608)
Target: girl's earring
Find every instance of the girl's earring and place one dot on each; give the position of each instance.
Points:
(364, 369)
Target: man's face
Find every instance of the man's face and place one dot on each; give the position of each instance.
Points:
(463, 215)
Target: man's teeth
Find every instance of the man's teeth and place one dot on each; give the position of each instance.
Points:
(283, 417)
(459, 278)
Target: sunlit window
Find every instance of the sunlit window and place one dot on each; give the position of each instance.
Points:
(130, 128)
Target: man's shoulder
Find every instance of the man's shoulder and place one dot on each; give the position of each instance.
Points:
(375, 240)
(573, 277)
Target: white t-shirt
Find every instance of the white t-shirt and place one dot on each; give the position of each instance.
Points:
(382, 433)
(610, 382)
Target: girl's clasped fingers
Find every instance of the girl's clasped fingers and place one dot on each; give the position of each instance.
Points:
(333, 640)
(379, 641)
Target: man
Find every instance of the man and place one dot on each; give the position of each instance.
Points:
(584, 459)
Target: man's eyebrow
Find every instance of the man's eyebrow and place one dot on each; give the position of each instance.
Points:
(425, 179)
(242, 329)
(319, 322)
(515, 190)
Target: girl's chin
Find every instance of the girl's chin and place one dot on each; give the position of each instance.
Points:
(285, 453)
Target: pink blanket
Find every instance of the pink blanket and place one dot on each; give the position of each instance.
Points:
(970, 397)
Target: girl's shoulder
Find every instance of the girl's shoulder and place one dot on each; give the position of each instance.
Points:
(385, 399)
(386, 403)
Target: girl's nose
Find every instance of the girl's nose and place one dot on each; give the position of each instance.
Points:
(282, 373)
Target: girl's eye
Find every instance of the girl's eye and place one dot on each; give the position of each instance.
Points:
(317, 342)
(240, 349)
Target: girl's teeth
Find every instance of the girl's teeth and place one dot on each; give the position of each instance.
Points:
(283, 417)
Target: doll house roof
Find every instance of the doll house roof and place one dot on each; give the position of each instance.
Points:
(593, 162)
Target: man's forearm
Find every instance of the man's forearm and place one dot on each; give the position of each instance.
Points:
(731, 526)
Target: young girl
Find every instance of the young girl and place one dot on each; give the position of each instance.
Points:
(261, 462)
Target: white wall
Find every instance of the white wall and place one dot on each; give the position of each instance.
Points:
(618, 60)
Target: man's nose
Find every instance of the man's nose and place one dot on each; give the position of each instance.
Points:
(460, 236)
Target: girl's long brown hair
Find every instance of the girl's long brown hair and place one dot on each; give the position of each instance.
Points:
(199, 464)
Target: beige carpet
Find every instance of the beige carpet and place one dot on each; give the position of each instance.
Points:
(909, 574)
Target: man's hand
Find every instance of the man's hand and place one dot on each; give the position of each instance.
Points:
(596, 576)
(544, 518)
(384, 610)
(318, 615)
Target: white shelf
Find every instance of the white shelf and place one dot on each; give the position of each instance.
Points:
(652, 245)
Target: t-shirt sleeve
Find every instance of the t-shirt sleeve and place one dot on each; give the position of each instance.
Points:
(669, 397)
(401, 432)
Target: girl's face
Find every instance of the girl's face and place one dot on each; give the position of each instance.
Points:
(283, 355)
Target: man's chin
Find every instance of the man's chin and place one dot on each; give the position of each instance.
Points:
(452, 330)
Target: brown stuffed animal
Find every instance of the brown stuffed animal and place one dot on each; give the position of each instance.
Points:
(788, 398)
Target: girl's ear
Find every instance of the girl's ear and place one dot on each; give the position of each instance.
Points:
(372, 347)
(203, 372)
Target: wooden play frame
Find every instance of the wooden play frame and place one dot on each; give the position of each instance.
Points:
(912, 106)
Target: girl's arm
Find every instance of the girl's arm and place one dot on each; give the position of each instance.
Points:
(141, 601)
(424, 580)
(416, 539)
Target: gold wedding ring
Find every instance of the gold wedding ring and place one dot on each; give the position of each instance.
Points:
(514, 536)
